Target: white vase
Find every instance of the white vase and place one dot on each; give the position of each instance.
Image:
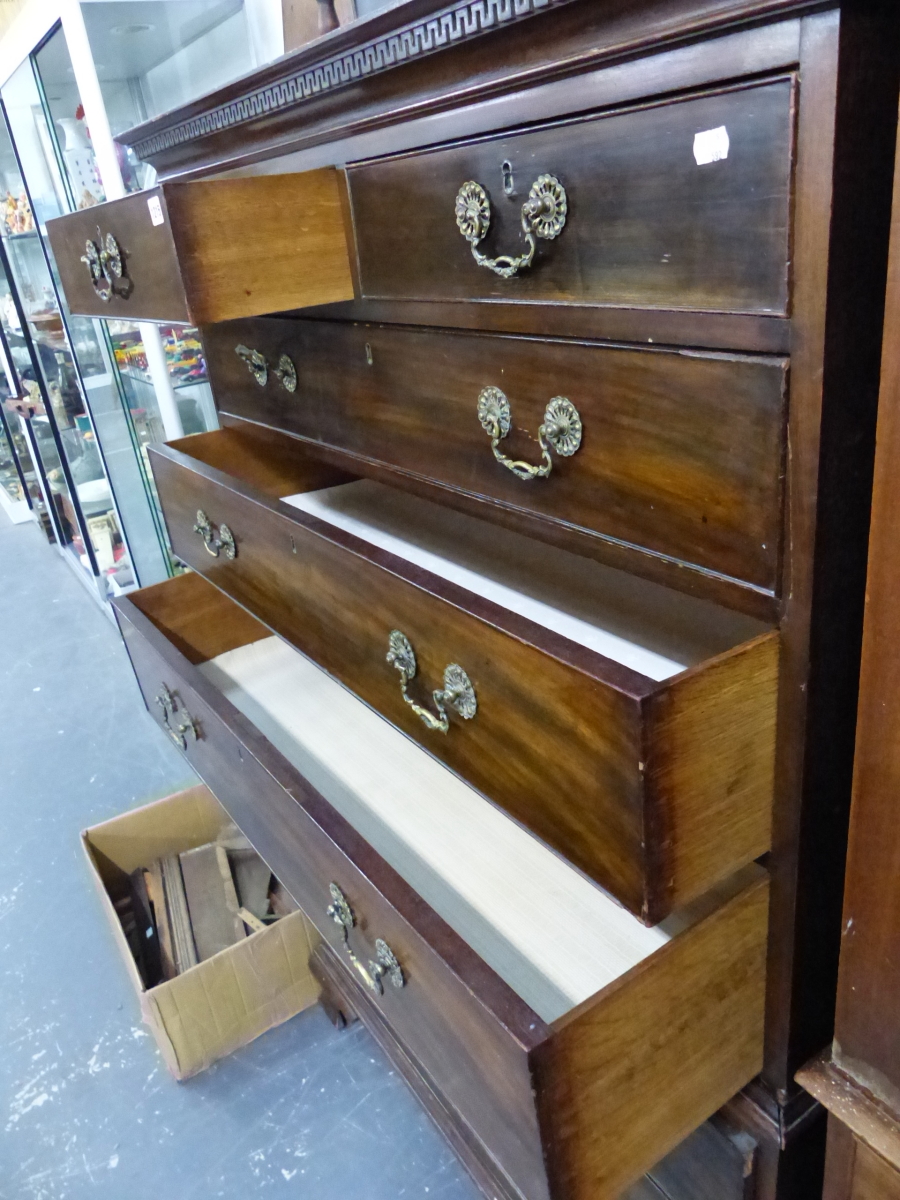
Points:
(76, 134)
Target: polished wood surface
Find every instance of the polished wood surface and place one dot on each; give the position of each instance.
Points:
(854, 1171)
(867, 1032)
(858, 1077)
(850, 65)
(480, 1044)
(605, 1065)
(587, 57)
(459, 1018)
(222, 249)
(656, 790)
(733, 332)
(646, 223)
(681, 461)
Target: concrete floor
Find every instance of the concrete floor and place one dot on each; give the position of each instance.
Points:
(87, 1110)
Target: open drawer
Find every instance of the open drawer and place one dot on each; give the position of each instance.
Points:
(568, 1046)
(208, 250)
(629, 727)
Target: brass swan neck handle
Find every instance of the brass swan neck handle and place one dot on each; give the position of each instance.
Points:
(385, 963)
(543, 216)
(457, 692)
(561, 431)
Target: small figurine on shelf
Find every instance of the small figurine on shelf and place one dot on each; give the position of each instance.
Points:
(24, 219)
(9, 213)
(88, 199)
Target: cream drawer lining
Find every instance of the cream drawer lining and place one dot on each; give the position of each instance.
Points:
(639, 624)
(553, 936)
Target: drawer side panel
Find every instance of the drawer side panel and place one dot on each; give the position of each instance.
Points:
(614, 1065)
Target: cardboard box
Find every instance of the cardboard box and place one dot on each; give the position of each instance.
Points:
(231, 998)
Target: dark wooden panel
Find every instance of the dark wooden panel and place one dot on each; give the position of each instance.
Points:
(873, 1178)
(867, 1032)
(839, 1160)
(340, 607)
(737, 332)
(850, 69)
(646, 224)
(682, 454)
(654, 790)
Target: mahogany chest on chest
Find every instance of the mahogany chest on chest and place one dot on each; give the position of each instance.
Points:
(523, 627)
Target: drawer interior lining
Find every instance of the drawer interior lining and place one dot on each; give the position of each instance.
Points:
(552, 935)
(645, 627)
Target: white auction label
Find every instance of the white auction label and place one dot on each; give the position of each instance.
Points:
(712, 145)
(156, 212)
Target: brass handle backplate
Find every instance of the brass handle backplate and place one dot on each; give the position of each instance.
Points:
(106, 266)
(561, 431)
(457, 692)
(257, 365)
(178, 729)
(543, 216)
(215, 540)
(385, 961)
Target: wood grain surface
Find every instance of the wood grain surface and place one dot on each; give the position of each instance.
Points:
(647, 1079)
(224, 248)
(564, 739)
(492, 1060)
(711, 236)
(867, 1029)
(682, 455)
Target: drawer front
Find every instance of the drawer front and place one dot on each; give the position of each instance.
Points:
(476, 1055)
(553, 746)
(679, 454)
(145, 281)
(681, 204)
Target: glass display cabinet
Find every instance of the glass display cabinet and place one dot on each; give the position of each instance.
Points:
(84, 398)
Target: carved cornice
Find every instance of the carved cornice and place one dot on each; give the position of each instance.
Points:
(450, 25)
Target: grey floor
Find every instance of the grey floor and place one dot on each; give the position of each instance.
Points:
(87, 1109)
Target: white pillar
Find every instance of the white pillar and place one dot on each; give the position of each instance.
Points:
(97, 121)
(162, 383)
(92, 98)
